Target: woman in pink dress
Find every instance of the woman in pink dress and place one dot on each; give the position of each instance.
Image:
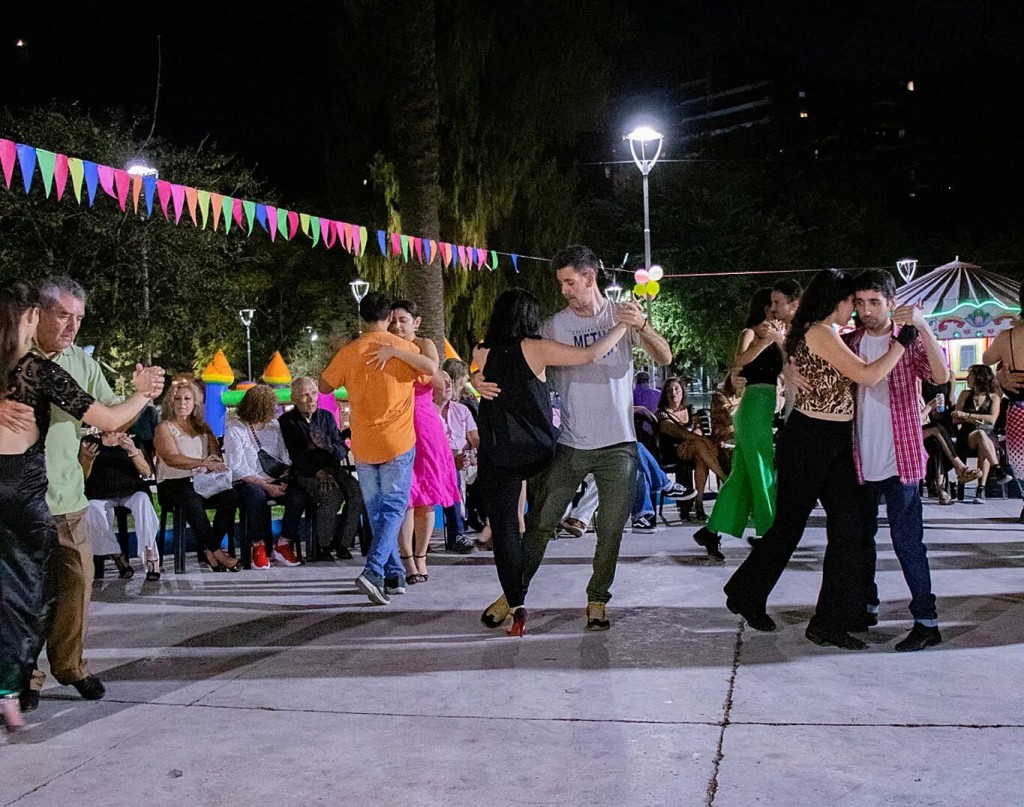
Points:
(434, 478)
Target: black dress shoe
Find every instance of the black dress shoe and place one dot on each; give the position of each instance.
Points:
(29, 700)
(837, 638)
(323, 555)
(920, 637)
(862, 623)
(761, 622)
(710, 541)
(91, 688)
(343, 553)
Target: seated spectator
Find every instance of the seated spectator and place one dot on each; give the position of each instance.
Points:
(185, 445)
(650, 478)
(645, 404)
(317, 451)
(463, 439)
(975, 416)
(255, 452)
(681, 439)
(942, 453)
(116, 470)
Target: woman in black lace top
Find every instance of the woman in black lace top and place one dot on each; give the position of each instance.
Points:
(27, 530)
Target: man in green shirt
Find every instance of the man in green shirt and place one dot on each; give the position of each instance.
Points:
(62, 310)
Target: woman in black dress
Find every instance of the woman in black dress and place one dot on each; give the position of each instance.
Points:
(517, 436)
(27, 530)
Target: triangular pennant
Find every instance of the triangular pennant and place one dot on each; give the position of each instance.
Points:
(148, 187)
(304, 223)
(77, 170)
(8, 156)
(227, 206)
(250, 209)
(293, 224)
(347, 234)
(282, 222)
(396, 243)
(123, 183)
(165, 192)
(405, 248)
(136, 191)
(446, 253)
(314, 226)
(92, 179)
(203, 197)
(361, 244)
(327, 228)
(46, 162)
(382, 242)
(106, 175)
(271, 214)
(342, 236)
(60, 174)
(462, 256)
(236, 212)
(178, 195)
(431, 251)
(494, 260)
(191, 194)
(216, 203)
(27, 161)
(515, 262)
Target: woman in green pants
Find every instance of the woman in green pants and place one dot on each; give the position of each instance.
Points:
(750, 487)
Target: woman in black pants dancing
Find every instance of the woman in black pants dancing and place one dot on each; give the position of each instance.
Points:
(815, 461)
(28, 533)
(517, 437)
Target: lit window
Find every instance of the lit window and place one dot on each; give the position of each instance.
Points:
(801, 94)
(804, 113)
(913, 195)
(910, 86)
(902, 133)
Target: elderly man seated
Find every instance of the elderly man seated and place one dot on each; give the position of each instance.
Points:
(317, 450)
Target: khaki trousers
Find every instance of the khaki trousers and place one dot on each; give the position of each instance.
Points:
(71, 569)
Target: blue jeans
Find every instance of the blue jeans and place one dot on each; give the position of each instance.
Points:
(903, 508)
(649, 477)
(385, 490)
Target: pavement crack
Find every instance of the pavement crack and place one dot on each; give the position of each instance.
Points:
(712, 790)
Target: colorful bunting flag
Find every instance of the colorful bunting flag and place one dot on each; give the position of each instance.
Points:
(60, 174)
(92, 179)
(76, 168)
(123, 182)
(8, 156)
(27, 161)
(47, 160)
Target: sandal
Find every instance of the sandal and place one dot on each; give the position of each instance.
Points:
(944, 498)
(423, 578)
(124, 568)
(152, 566)
(968, 475)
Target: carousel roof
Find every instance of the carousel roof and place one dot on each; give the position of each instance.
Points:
(959, 287)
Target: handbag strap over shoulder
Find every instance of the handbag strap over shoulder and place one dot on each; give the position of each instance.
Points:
(255, 439)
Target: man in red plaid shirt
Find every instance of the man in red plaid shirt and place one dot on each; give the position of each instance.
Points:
(889, 448)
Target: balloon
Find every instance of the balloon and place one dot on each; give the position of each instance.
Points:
(653, 287)
(640, 289)
(641, 276)
(656, 273)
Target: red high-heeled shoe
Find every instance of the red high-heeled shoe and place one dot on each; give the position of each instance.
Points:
(518, 623)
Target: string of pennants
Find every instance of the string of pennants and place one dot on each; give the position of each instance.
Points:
(203, 205)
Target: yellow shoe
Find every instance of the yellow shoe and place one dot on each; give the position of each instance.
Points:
(496, 613)
(596, 619)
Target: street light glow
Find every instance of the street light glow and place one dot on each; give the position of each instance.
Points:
(644, 134)
(142, 170)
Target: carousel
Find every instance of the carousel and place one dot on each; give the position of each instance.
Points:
(965, 305)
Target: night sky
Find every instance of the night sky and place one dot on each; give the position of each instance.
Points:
(253, 82)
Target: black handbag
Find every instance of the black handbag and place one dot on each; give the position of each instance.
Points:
(271, 465)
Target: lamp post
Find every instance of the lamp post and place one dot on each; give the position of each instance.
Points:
(143, 170)
(360, 288)
(639, 139)
(246, 315)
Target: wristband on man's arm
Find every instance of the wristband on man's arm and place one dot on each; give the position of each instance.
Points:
(907, 334)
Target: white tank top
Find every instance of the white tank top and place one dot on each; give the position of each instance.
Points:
(194, 447)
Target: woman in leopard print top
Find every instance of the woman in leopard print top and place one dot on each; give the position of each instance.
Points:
(815, 462)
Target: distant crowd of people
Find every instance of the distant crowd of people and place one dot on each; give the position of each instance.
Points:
(563, 433)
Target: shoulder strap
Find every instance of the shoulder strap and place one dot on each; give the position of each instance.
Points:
(255, 439)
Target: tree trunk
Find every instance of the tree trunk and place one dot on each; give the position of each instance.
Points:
(413, 107)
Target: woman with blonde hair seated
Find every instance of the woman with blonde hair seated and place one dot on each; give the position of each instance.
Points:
(185, 446)
(255, 452)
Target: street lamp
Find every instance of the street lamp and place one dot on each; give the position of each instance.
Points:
(615, 293)
(143, 170)
(639, 139)
(246, 315)
(360, 288)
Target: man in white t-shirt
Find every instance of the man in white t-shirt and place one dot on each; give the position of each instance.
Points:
(597, 435)
(889, 446)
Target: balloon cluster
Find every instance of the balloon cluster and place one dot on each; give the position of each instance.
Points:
(647, 285)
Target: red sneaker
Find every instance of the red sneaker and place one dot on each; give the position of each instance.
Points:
(259, 557)
(283, 554)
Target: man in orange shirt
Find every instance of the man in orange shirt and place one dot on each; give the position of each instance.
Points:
(379, 369)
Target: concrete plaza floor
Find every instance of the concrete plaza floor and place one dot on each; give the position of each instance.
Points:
(286, 687)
